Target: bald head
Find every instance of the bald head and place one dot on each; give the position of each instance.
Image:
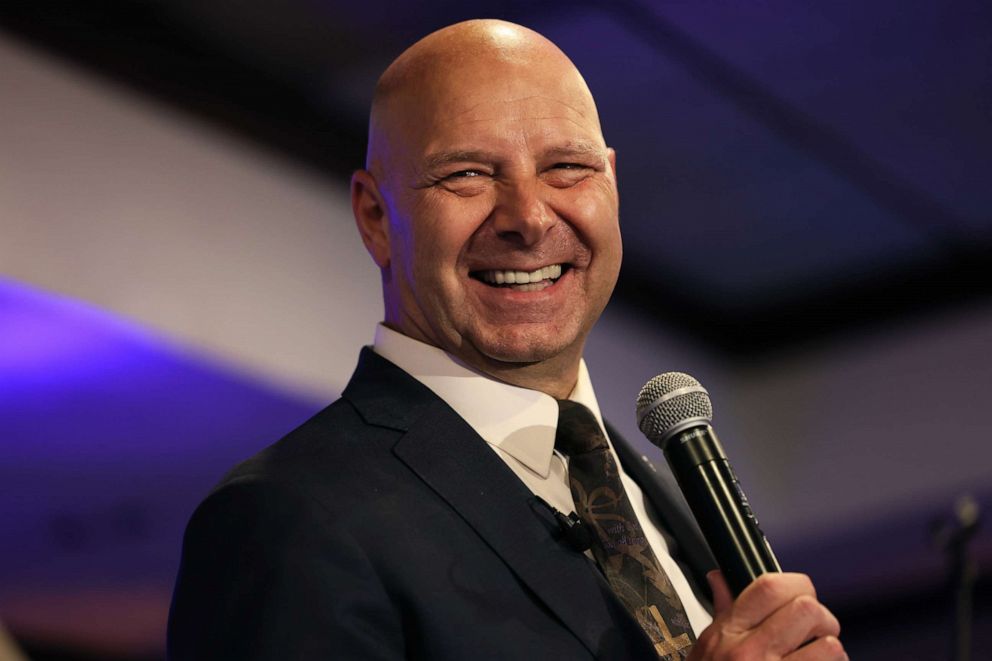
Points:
(450, 70)
(489, 202)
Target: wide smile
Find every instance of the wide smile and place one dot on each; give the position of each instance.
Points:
(523, 281)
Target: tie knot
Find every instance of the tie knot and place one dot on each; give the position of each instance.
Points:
(578, 430)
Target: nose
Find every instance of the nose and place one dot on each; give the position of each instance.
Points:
(521, 213)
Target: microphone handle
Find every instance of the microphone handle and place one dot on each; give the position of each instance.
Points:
(721, 509)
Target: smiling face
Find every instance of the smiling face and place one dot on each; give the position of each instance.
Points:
(491, 203)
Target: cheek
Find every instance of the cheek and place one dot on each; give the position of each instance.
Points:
(434, 247)
(592, 211)
(446, 226)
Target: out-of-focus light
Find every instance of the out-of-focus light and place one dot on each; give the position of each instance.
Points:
(45, 337)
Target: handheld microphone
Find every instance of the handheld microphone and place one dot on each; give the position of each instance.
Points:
(674, 412)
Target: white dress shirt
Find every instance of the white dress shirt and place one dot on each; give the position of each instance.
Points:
(519, 425)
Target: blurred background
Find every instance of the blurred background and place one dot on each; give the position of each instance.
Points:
(805, 201)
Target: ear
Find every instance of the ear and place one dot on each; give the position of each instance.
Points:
(370, 216)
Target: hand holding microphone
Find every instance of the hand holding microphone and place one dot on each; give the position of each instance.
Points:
(760, 611)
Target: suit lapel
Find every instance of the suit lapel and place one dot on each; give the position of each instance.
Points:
(454, 461)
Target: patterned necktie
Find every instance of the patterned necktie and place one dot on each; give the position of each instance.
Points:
(619, 546)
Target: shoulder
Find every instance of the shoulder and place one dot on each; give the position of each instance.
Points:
(333, 461)
(268, 557)
(344, 454)
(334, 434)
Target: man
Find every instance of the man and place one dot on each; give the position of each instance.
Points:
(414, 518)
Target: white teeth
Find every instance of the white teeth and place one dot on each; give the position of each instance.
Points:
(552, 272)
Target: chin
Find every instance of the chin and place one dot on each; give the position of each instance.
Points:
(525, 346)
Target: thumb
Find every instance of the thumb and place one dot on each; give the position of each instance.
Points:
(722, 599)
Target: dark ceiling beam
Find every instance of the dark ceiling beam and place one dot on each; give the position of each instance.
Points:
(815, 314)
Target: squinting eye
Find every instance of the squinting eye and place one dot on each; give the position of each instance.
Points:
(571, 166)
(464, 174)
(464, 182)
(566, 175)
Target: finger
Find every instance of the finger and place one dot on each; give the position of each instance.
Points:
(828, 648)
(722, 599)
(800, 620)
(767, 594)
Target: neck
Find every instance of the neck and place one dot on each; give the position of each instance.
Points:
(555, 376)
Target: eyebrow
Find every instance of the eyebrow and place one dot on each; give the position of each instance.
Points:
(433, 161)
(569, 149)
(575, 148)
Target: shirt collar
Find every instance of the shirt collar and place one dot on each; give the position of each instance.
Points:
(518, 421)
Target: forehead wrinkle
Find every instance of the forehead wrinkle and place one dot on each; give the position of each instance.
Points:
(584, 127)
(572, 147)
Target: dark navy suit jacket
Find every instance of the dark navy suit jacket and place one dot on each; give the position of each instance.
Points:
(385, 528)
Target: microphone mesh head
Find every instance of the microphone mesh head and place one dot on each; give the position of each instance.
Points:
(669, 402)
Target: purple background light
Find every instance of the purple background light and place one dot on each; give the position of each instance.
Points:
(110, 436)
